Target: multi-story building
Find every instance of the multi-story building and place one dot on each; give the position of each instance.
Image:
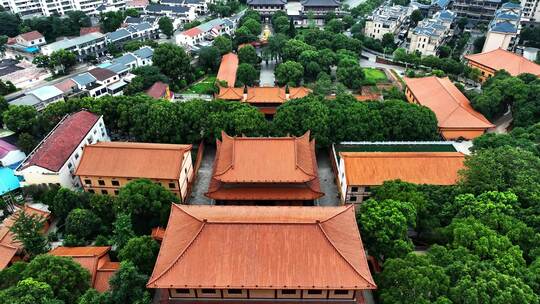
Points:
(477, 10)
(455, 116)
(319, 8)
(99, 82)
(261, 255)
(24, 8)
(490, 62)
(92, 44)
(30, 39)
(385, 19)
(267, 7)
(55, 158)
(127, 62)
(141, 31)
(34, 8)
(205, 32)
(504, 28)
(39, 98)
(107, 166)
(430, 34)
(359, 172)
(179, 14)
(531, 11)
(265, 171)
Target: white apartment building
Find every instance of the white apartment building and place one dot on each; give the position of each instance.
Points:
(531, 10)
(82, 46)
(205, 31)
(55, 159)
(386, 19)
(504, 28)
(32, 8)
(431, 33)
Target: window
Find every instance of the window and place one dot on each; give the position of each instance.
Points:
(104, 192)
(91, 191)
(206, 290)
(115, 183)
(367, 189)
(341, 292)
(70, 165)
(354, 189)
(314, 292)
(288, 291)
(183, 291)
(116, 192)
(87, 182)
(234, 291)
(76, 155)
(172, 185)
(353, 199)
(101, 182)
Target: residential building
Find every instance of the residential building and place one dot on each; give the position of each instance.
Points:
(55, 158)
(68, 87)
(10, 157)
(89, 29)
(359, 172)
(141, 31)
(179, 14)
(266, 99)
(455, 115)
(107, 166)
(24, 8)
(23, 74)
(267, 7)
(36, 8)
(490, 62)
(160, 90)
(265, 171)
(139, 5)
(476, 10)
(94, 259)
(504, 28)
(136, 20)
(10, 154)
(205, 32)
(11, 249)
(531, 11)
(386, 20)
(99, 82)
(30, 39)
(129, 61)
(92, 44)
(430, 34)
(40, 98)
(261, 254)
(227, 69)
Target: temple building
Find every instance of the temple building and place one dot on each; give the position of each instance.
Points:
(490, 62)
(265, 171)
(253, 254)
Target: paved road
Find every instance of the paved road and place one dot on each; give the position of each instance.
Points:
(502, 123)
(326, 177)
(203, 178)
(267, 77)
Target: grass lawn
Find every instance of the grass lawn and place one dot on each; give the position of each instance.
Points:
(205, 86)
(375, 75)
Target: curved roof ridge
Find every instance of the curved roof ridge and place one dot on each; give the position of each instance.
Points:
(297, 163)
(224, 137)
(338, 213)
(342, 255)
(181, 254)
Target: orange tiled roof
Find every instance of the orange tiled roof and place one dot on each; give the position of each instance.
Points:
(129, 159)
(266, 94)
(373, 168)
(227, 69)
(8, 245)
(500, 59)
(262, 248)
(452, 108)
(158, 233)
(298, 92)
(95, 260)
(230, 93)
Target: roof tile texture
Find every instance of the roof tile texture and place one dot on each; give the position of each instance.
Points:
(500, 59)
(262, 248)
(227, 69)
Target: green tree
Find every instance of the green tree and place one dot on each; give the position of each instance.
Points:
(92, 296)
(335, 26)
(248, 54)
(63, 60)
(350, 74)
(276, 44)
(280, 24)
(223, 44)
(64, 201)
(27, 229)
(82, 224)
(166, 26)
(67, 278)
(243, 35)
(122, 230)
(145, 77)
(384, 226)
(406, 121)
(416, 16)
(29, 291)
(254, 26)
(11, 275)
(129, 286)
(290, 73)
(209, 58)
(246, 74)
(323, 85)
(111, 21)
(293, 48)
(148, 203)
(20, 119)
(173, 62)
(9, 24)
(141, 251)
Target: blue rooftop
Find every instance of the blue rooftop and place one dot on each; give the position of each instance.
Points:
(118, 34)
(144, 52)
(83, 79)
(8, 181)
(503, 27)
(118, 68)
(511, 5)
(440, 3)
(125, 59)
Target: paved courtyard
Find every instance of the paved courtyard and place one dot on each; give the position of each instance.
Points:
(267, 77)
(203, 178)
(326, 177)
